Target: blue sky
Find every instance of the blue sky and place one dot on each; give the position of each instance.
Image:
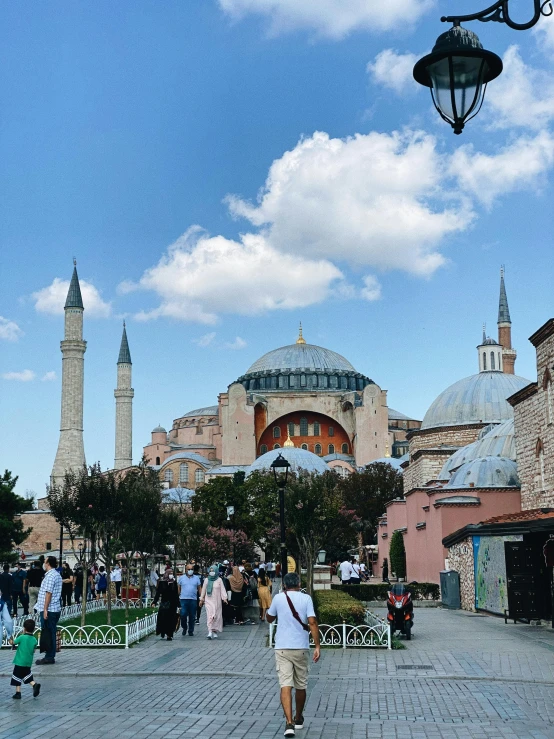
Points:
(222, 169)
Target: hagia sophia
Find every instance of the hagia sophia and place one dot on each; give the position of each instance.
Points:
(482, 456)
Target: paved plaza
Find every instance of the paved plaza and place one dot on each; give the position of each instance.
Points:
(463, 675)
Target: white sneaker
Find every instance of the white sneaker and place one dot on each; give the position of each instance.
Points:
(214, 635)
(209, 635)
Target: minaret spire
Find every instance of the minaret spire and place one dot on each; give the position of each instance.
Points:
(70, 456)
(124, 407)
(300, 339)
(505, 328)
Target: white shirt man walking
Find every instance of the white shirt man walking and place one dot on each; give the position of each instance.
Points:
(345, 571)
(49, 605)
(296, 619)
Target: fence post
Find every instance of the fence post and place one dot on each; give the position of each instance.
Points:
(126, 635)
(343, 634)
(389, 644)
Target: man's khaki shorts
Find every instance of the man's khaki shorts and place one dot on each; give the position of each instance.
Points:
(292, 667)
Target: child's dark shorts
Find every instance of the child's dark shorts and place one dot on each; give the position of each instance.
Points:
(21, 675)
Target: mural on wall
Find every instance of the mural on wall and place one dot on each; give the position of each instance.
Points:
(491, 589)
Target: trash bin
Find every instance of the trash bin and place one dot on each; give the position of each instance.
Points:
(450, 589)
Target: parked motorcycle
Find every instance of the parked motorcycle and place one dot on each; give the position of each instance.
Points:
(400, 609)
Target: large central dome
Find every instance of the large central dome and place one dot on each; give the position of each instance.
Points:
(301, 356)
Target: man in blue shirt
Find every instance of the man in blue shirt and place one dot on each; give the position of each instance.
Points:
(189, 592)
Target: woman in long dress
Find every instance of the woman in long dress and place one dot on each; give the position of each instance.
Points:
(264, 593)
(168, 595)
(213, 596)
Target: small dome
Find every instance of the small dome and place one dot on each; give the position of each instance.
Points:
(301, 356)
(479, 398)
(159, 430)
(210, 410)
(488, 342)
(299, 459)
(497, 442)
(486, 472)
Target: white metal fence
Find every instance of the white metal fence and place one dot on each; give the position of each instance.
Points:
(375, 632)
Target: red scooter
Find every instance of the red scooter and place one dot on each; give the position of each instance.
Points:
(400, 609)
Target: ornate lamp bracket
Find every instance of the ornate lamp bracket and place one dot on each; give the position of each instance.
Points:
(499, 13)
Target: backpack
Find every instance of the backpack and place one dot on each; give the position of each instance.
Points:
(102, 581)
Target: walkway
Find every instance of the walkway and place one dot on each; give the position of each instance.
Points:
(463, 676)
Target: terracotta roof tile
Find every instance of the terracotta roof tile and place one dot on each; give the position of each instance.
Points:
(533, 514)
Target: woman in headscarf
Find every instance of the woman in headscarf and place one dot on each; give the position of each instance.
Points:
(238, 591)
(213, 596)
(167, 594)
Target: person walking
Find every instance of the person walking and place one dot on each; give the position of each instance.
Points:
(264, 593)
(49, 607)
(355, 576)
(116, 579)
(201, 576)
(213, 596)
(78, 583)
(19, 591)
(67, 584)
(6, 587)
(296, 619)
(168, 596)
(345, 571)
(385, 569)
(34, 577)
(101, 582)
(189, 592)
(25, 645)
(238, 591)
(6, 622)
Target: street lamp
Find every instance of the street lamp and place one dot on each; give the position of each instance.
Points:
(280, 468)
(458, 68)
(457, 71)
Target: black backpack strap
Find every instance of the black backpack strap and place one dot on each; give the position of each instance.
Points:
(295, 612)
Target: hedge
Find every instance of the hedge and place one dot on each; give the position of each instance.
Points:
(333, 607)
(378, 591)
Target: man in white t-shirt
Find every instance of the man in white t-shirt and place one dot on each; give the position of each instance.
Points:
(115, 577)
(296, 619)
(345, 571)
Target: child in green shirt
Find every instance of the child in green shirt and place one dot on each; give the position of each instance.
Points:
(25, 644)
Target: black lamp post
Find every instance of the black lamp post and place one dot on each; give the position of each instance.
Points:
(458, 69)
(280, 468)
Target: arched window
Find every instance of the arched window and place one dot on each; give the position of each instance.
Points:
(316, 428)
(331, 431)
(331, 449)
(168, 475)
(345, 448)
(302, 380)
(183, 472)
(492, 361)
(199, 475)
(303, 427)
(291, 428)
(547, 386)
(158, 461)
(333, 381)
(276, 446)
(317, 449)
(292, 380)
(263, 449)
(305, 446)
(484, 360)
(276, 432)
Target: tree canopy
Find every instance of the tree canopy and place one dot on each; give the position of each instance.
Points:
(12, 532)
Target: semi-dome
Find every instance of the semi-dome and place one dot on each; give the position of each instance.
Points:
(480, 398)
(299, 459)
(486, 472)
(497, 442)
(210, 410)
(301, 356)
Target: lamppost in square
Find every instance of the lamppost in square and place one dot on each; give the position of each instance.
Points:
(280, 467)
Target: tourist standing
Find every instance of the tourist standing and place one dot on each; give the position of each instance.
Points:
(19, 592)
(6, 622)
(345, 571)
(238, 591)
(385, 569)
(213, 596)
(67, 584)
(270, 569)
(264, 593)
(189, 592)
(153, 579)
(49, 607)
(6, 587)
(355, 576)
(101, 582)
(34, 577)
(168, 596)
(78, 584)
(116, 579)
(25, 644)
(295, 616)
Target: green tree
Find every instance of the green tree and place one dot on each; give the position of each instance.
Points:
(12, 506)
(367, 492)
(397, 555)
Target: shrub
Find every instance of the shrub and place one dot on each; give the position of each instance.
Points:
(333, 607)
(378, 591)
(397, 554)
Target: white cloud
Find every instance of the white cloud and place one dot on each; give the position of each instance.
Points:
(49, 376)
(544, 32)
(9, 330)
(51, 299)
(330, 18)
(394, 70)
(371, 289)
(522, 96)
(238, 343)
(202, 276)
(205, 340)
(376, 199)
(518, 166)
(24, 376)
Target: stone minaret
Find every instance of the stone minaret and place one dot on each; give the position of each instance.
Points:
(124, 407)
(505, 330)
(71, 451)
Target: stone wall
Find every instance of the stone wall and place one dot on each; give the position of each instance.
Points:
(460, 559)
(45, 534)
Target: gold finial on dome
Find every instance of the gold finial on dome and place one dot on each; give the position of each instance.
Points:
(288, 442)
(300, 339)
(387, 452)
